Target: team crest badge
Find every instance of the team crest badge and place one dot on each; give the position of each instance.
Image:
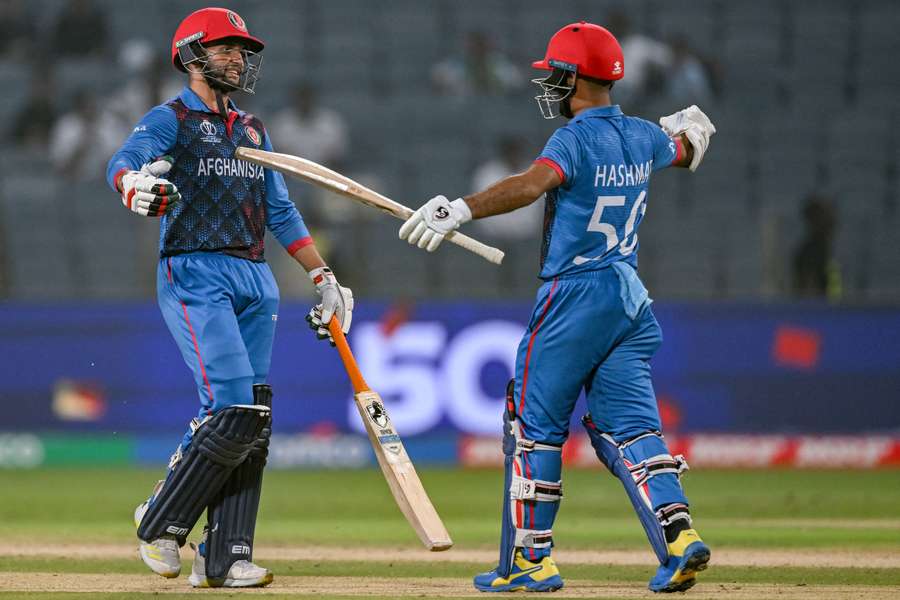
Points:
(253, 135)
(237, 21)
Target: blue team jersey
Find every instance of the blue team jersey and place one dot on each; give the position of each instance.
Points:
(605, 160)
(227, 203)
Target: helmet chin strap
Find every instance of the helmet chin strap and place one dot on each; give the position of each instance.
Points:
(220, 103)
(565, 107)
(215, 79)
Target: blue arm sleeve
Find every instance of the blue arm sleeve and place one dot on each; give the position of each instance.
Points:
(282, 217)
(153, 136)
(563, 150)
(664, 150)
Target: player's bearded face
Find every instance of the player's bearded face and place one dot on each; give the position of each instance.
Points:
(224, 67)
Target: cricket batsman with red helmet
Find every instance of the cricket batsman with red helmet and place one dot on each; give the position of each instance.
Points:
(592, 327)
(216, 293)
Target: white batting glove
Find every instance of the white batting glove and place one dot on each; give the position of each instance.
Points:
(336, 301)
(146, 192)
(427, 226)
(694, 124)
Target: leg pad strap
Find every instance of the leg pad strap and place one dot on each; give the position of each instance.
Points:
(534, 489)
(534, 538)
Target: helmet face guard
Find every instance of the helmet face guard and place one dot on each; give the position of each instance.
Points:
(556, 91)
(191, 51)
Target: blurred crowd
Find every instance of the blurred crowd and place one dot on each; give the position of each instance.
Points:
(78, 132)
(65, 129)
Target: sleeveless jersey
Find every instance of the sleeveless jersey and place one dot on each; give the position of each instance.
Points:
(223, 206)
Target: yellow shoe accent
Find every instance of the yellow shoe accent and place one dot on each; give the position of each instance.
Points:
(684, 539)
(153, 552)
(685, 575)
(538, 571)
(530, 576)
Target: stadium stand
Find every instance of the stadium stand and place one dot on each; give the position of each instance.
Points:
(808, 103)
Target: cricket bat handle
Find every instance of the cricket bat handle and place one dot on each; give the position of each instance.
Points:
(343, 348)
(489, 253)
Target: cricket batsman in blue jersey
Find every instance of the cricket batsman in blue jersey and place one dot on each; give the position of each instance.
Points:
(592, 327)
(217, 294)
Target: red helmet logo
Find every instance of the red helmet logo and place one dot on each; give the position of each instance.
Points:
(237, 21)
(589, 49)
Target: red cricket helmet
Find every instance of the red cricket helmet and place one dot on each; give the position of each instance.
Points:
(585, 48)
(209, 25)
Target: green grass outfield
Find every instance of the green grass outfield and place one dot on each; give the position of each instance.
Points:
(772, 516)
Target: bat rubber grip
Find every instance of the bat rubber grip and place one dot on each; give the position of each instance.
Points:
(343, 348)
(489, 253)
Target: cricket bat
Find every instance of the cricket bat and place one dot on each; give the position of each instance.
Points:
(316, 174)
(392, 458)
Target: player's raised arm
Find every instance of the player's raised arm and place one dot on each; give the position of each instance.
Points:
(691, 128)
(427, 226)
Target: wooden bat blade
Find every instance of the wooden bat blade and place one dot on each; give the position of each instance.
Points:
(400, 473)
(316, 174)
(398, 470)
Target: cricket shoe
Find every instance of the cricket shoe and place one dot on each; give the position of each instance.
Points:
(162, 555)
(687, 556)
(242, 573)
(526, 576)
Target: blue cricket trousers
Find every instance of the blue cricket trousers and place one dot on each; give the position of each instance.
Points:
(222, 312)
(593, 331)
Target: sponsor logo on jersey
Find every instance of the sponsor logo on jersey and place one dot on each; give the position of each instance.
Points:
(229, 167)
(139, 128)
(253, 135)
(237, 21)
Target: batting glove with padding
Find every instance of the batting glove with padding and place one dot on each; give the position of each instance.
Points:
(337, 300)
(146, 192)
(428, 226)
(694, 124)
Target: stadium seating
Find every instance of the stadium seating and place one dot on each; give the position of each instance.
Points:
(808, 104)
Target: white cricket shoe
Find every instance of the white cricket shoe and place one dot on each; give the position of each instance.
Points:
(242, 573)
(162, 555)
